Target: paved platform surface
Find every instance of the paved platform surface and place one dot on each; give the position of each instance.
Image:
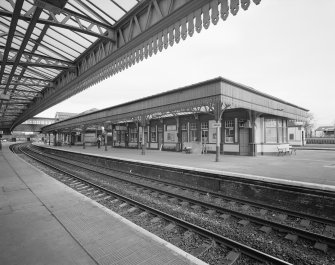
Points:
(309, 168)
(42, 221)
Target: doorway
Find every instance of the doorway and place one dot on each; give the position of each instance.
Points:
(160, 138)
(244, 141)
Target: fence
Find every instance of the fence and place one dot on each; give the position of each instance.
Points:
(320, 140)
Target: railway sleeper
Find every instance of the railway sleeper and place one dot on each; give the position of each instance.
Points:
(231, 258)
(321, 246)
(199, 251)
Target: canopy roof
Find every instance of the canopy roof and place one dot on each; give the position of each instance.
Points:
(53, 49)
(204, 97)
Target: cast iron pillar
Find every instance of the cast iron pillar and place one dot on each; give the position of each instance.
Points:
(219, 109)
(55, 138)
(70, 137)
(83, 135)
(105, 135)
(143, 123)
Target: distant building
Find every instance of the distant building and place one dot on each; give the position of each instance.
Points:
(324, 131)
(30, 129)
(60, 116)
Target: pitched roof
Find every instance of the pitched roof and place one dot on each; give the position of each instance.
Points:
(325, 128)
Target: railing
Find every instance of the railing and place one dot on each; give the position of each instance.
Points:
(320, 140)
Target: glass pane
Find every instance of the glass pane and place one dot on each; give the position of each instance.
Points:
(271, 135)
(270, 123)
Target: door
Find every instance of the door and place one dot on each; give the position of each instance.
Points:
(204, 141)
(160, 139)
(183, 138)
(244, 141)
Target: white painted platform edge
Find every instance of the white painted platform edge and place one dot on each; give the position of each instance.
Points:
(219, 172)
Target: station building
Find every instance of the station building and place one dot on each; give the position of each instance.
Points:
(203, 117)
(296, 133)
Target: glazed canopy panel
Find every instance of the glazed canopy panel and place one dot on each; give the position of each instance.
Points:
(51, 50)
(197, 98)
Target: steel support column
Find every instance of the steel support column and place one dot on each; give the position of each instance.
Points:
(178, 134)
(83, 136)
(105, 135)
(219, 109)
(70, 140)
(143, 123)
(55, 138)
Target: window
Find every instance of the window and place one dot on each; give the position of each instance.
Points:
(193, 126)
(123, 136)
(193, 132)
(118, 136)
(204, 136)
(229, 131)
(146, 135)
(171, 127)
(204, 132)
(184, 127)
(133, 135)
(204, 125)
(170, 137)
(241, 123)
(270, 130)
(284, 131)
(291, 136)
(153, 134)
(275, 131)
(280, 131)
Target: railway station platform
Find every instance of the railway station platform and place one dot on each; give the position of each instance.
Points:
(307, 168)
(42, 221)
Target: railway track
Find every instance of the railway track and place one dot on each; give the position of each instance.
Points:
(301, 220)
(178, 196)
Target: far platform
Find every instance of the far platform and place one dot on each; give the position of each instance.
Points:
(308, 168)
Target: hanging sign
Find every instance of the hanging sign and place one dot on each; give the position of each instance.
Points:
(216, 125)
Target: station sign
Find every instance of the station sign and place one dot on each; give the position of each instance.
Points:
(216, 125)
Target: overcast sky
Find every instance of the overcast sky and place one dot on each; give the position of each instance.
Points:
(285, 48)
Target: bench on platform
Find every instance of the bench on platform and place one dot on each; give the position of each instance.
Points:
(286, 149)
(292, 149)
(281, 150)
(188, 149)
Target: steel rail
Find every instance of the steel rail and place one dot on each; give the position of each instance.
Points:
(239, 200)
(279, 227)
(251, 252)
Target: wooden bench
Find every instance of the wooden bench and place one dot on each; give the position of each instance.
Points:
(281, 150)
(286, 149)
(188, 149)
(292, 149)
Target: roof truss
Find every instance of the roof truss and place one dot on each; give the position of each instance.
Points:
(63, 47)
